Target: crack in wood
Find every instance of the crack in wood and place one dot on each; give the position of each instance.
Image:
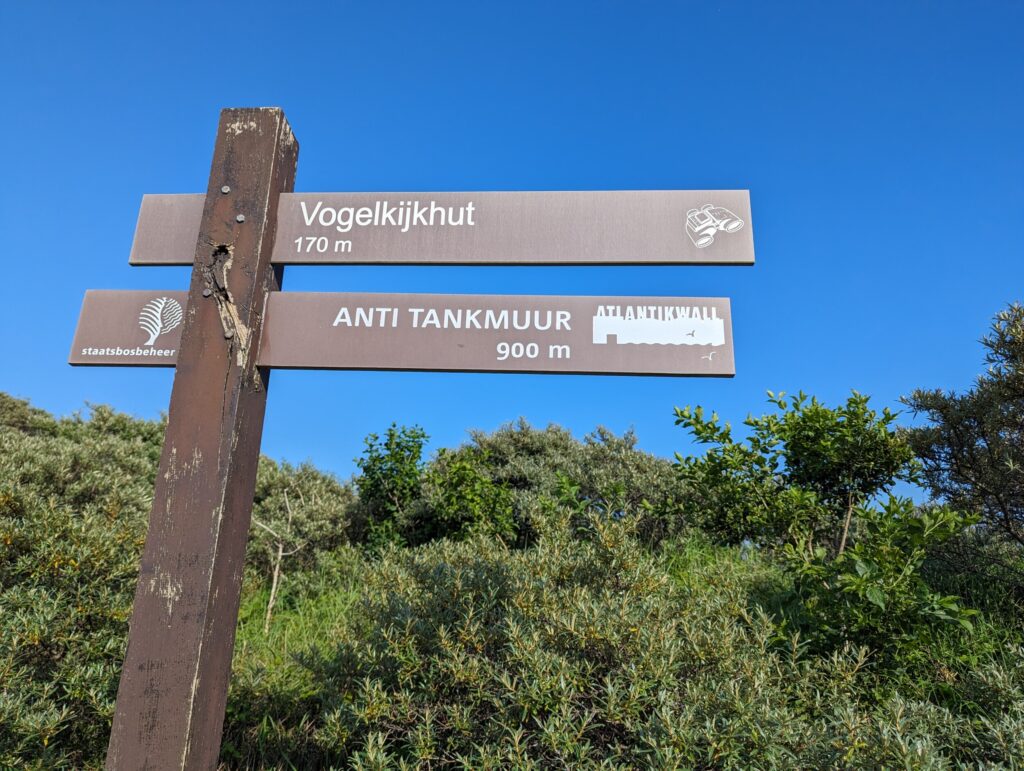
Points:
(216, 279)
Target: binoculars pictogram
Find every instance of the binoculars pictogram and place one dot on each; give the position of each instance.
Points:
(702, 224)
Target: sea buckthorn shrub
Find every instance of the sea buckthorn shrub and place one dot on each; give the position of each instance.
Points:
(75, 496)
(300, 507)
(533, 465)
(502, 483)
(583, 648)
(587, 651)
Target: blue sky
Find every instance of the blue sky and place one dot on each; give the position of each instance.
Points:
(881, 143)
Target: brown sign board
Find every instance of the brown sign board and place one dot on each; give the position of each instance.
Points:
(432, 332)
(133, 328)
(625, 227)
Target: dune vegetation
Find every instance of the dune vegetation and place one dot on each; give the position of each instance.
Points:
(532, 600)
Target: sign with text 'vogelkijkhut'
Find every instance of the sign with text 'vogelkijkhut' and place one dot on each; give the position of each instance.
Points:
(463, 333)
(584, 227)
(226, 334)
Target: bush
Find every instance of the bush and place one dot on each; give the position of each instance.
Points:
(389, 485)
(74, 500)
(299, 514)
(300, 508)
(587, 651)
(983, 567)
(801, 473)
(459, 499)
(874, 593)
(75, 496)
(502, 483)
(972, 451)
(531, 464)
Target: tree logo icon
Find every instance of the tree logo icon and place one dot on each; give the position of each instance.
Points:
(160, 316)
(704, 223)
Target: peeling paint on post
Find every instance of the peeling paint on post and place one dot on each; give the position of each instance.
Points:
(174, 681)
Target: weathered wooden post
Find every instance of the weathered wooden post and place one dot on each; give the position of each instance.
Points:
(173, 690)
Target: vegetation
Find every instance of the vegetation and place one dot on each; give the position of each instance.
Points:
(799, 476)
(972, 451)
(590, 651)
(802, 483)
(530, 600)
(74, 502)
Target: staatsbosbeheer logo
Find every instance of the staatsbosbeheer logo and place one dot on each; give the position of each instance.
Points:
(703, 224)
(160, 316)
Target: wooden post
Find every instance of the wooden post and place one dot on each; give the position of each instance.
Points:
(174, 682)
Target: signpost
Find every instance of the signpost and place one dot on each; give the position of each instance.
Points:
(234, 326)
(625, 227)
(460, 333)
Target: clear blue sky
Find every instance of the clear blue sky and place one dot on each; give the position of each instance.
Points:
(882, 144)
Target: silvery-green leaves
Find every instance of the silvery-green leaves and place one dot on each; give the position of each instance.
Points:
(159, 316)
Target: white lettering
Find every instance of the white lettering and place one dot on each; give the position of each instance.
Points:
(452, 318)
(495, 321)
(431, 319)
(310, 217)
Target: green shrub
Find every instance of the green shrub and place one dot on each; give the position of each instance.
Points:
(74, 499)
(985, 568)
(389, 485)
(19, 415)
(802, 480)
(75, 496)
(873, 593)
(460, 499)
(587, 651)
(502, 483)
(298, 515)
(301, 508)
(481, 656)
(800, 474)
(531, 463)
(972, 449)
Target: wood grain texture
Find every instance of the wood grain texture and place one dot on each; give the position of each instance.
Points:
(173, 689)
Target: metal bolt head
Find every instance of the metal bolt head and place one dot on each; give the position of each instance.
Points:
(240, 218)
(207, 292)
(225, 190)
